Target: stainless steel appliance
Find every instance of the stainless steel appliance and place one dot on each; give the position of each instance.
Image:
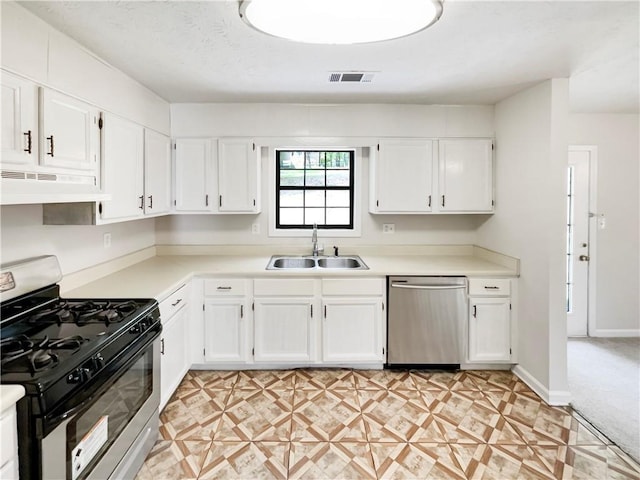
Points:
(426, 316)
(90, 369)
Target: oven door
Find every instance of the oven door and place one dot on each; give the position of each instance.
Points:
(110, 426)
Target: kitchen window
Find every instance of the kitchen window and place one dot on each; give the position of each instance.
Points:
(314, 187)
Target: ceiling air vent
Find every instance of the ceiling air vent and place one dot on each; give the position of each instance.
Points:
(351, 77)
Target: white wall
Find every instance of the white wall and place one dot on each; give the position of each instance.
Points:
(529, 223)
(365, 122)
(22, 235)
(617, 139)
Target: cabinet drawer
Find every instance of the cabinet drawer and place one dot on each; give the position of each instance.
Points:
(490, 286)
(8, 427)
(284, 287)
(174, 302)
(224, 287)
(345, 286)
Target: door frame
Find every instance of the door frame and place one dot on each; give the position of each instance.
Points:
(593, 229)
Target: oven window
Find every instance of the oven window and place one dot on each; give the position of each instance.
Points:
(91, 432)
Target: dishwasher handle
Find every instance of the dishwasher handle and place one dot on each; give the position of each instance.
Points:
(427, 287)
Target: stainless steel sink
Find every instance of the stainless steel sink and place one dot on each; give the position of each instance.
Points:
(339, 262)
(292, 262)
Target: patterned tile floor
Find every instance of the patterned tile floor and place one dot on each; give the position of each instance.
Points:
(373, 424)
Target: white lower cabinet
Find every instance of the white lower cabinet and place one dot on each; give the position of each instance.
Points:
(273, 322)
(174, 361)
(490, 321)
(225, 330)
(227, 321)
(352, 330)
(284, 330)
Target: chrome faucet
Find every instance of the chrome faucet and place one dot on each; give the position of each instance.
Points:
(314, 240)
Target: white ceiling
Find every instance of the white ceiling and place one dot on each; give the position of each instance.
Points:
(478, 53)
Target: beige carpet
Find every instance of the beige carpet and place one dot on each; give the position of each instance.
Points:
(604, 378)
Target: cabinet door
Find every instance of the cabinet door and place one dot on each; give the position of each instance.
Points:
(68, 132)
(466, 175)
(173, 355)
(489, 329)
(225, 330)
(157, 173)
(402, 176)
(192, 175)
(352, 330)
(238, 176)
(122, 168)
(19, 114)
(283, 330)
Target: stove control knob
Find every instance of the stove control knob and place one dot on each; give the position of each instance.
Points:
(135, 329)
(79, 375)
(95, 363)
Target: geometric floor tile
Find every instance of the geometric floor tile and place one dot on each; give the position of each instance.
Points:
(342, 460)
(398, 416)
(338, 423)
(435, 380)
(321, 378)
(194, 416)
(415, 460)
(383, 380)
(256, 415)
(213, 379)
(323, 415)
(585, 462)
(175, 459)
(264, 460)
(500, 462)
(271, 379)
(468, 417)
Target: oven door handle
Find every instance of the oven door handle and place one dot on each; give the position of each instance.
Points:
(71, 407)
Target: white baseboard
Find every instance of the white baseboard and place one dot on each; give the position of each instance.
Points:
(552, 397)
(615, 332)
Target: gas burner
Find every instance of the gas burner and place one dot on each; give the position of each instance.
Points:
(42, 359)
(59, 312)
(13, 346)
(68, 343)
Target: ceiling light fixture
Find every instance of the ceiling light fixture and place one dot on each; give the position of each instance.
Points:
(340, 21)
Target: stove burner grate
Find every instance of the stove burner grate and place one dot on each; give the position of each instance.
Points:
(38, 354)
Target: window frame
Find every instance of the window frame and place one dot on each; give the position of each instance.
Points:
(325, 188)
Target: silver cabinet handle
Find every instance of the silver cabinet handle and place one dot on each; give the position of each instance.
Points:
(224, 288)
(141, 198)
(428, 287)
(491, 287)
(151, 201)
(162, 346)
(177, 302)
(28, 135)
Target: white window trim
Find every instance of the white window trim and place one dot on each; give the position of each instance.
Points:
(302, 232)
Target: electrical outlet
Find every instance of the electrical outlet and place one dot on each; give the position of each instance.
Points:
(388, 228)
(602, 222)
(107, 240)
(255, 228)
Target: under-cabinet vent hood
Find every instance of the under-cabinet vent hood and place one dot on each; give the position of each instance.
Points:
(21, 188)
(351, 77)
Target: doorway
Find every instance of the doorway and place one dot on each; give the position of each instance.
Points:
(581, 240)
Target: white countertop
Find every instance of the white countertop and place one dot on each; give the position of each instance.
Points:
(9, 395)
(158, 276)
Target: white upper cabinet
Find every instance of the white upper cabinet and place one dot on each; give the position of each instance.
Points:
(193, 171)
(465, 172)
(157, 173)
(413, 176)
(19, 121)
(122, 168)
(402, 176)
(238, 176)
(68, 132)
(222, 180)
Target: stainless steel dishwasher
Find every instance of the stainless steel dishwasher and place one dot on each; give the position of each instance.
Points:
(426, 318)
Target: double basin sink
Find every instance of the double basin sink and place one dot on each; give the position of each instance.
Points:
(292, 262)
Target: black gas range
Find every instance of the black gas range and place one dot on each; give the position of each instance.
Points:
(90, 370)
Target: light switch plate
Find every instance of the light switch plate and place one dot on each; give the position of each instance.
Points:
(255, 228)
(107, 240)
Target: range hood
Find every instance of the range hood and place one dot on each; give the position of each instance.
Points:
(46, 188)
